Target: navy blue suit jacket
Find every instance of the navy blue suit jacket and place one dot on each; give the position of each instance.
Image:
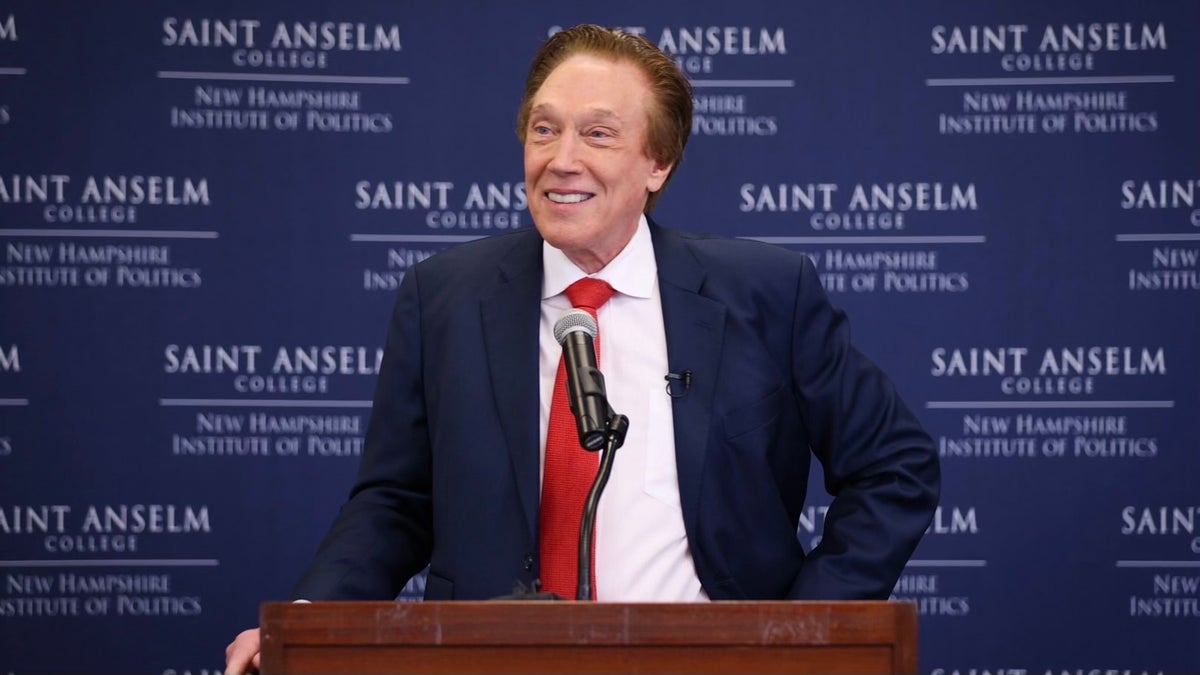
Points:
(450, 476)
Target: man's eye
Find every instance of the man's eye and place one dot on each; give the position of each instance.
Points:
(598, 133)
(541, 129)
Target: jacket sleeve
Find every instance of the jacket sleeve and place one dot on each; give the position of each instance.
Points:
(383, 535)
(879, 464)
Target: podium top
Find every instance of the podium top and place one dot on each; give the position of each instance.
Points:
(543, 636)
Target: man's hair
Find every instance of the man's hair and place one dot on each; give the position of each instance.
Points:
(669, 111)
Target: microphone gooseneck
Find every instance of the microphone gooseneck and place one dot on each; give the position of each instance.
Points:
(599, 427)
(614, 438)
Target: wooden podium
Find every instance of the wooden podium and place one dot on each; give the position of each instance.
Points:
(588, 637)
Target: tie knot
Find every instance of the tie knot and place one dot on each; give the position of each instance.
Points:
(590, 294)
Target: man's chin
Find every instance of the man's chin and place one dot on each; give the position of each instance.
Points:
(570, 245)
(558, 231)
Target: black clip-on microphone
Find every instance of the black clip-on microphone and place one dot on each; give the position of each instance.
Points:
(684, 378)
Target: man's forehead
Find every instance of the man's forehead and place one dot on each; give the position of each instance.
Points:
(608, 91)
(599, 112)
(633, 72)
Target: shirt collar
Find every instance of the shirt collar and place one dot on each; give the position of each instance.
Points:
(631, 273)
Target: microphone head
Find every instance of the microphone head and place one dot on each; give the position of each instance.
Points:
(575, 320)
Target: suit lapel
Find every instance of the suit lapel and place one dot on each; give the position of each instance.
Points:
(695, 328)
(510, 315)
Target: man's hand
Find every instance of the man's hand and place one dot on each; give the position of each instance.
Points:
(241, 656)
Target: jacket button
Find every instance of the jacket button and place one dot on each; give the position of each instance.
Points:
(528, 562)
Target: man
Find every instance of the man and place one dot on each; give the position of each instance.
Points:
(706, 494)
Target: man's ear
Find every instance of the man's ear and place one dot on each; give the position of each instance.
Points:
(658, 176)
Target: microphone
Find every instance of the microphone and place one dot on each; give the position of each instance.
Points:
(599, 427)
(674, 380)
(575, 331)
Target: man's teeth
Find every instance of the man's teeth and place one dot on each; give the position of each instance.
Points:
(573, 198)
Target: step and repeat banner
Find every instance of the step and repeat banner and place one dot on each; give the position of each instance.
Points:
(206, 209)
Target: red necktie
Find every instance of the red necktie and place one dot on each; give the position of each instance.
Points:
(570, 469)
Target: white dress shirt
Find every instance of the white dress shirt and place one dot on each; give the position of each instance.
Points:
(641, 547)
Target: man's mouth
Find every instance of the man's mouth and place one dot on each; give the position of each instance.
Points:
(568, 197)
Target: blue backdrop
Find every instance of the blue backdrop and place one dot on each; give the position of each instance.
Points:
(205, 208)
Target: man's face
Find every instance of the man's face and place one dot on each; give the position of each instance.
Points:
(587, 174)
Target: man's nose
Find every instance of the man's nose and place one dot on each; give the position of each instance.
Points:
(566, 154)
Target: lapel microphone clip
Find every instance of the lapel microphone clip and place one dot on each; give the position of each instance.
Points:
(679, 384)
